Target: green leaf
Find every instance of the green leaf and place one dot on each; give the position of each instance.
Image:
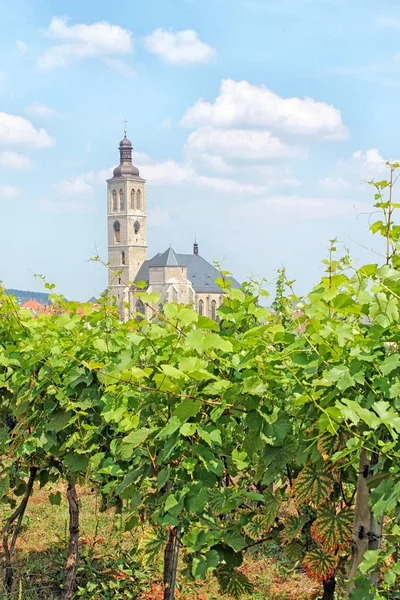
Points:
(341, 376)
(170, 502)
(135, 438)
(371, 561)
(199, 567)
(55, 499)
(188, 429)
(173, 425)
(59, 421)
(390, 363)
(173, 372)
(162, 478)
(383, 310)
(235, 540)
(76, 462)
(186, 409)
(195, 539)
(206, 323)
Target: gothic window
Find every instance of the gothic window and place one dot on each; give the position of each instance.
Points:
(136, 227)
(140, 309)
(201, 307)
(121, 199)
(122, 257)
(133, 199)
(117, 232)
(114, 201)
(138, 200)
(213, 310)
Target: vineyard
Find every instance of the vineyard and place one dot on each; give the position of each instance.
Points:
(213, 441)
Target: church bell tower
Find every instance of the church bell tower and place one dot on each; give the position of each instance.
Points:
(126, 209)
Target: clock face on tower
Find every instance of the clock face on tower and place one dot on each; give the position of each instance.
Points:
(136, 226)
(116, 226)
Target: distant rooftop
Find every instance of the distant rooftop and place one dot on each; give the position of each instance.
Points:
(201, 273)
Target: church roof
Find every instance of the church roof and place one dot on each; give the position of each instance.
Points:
(167, 259)
(201, 273)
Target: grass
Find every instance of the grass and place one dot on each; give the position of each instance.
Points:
(108, 571)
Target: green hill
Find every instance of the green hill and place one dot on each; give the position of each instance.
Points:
(24, 295)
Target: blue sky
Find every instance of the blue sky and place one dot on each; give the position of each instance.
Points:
(255, 123)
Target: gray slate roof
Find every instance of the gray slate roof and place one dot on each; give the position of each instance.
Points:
(168, 259)
(200, 272)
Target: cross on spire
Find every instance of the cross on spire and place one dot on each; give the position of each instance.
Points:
(125, 122)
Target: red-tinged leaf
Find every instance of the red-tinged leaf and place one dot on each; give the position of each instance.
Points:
(333, 530)
(329, 444)
(319, 564)
(313, 485)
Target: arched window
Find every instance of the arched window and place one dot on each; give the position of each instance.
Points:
(114, 201)
(201, 307)
(133, 199)
(213, 310)
(138, 200)
(121, 199)
(122, 257)
(140, 309)
(117, 232)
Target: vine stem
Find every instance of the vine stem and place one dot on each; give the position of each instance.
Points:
(72, 557)
(17, 514)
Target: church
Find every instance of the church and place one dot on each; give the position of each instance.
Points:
(182, 278)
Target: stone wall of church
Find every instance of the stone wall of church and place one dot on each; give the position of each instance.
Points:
(208, 308)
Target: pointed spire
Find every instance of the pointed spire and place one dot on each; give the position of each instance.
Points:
(195, 247)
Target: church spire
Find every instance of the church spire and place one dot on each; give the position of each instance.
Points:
(195, 247)
(126, 168)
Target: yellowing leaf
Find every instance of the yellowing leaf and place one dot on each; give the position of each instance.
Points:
(313, 485)
(333, 530)
(319, 564)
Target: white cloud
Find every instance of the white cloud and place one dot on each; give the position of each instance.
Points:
(14, 160)
(15, 130)
(21, 47)
(56, 207)
(228, 186)
(83, 41)
(352, 173)
(241, 143)
(42, 110)
(295, 206)
(217, 163)
(75, 186)
(334, 183)
(242, 104)
(169, 172)
(181, 47)
(9, 191)
(118, 65)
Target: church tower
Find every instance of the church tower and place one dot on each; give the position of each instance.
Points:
(127, 240)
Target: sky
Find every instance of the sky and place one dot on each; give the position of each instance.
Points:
(256, 123)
